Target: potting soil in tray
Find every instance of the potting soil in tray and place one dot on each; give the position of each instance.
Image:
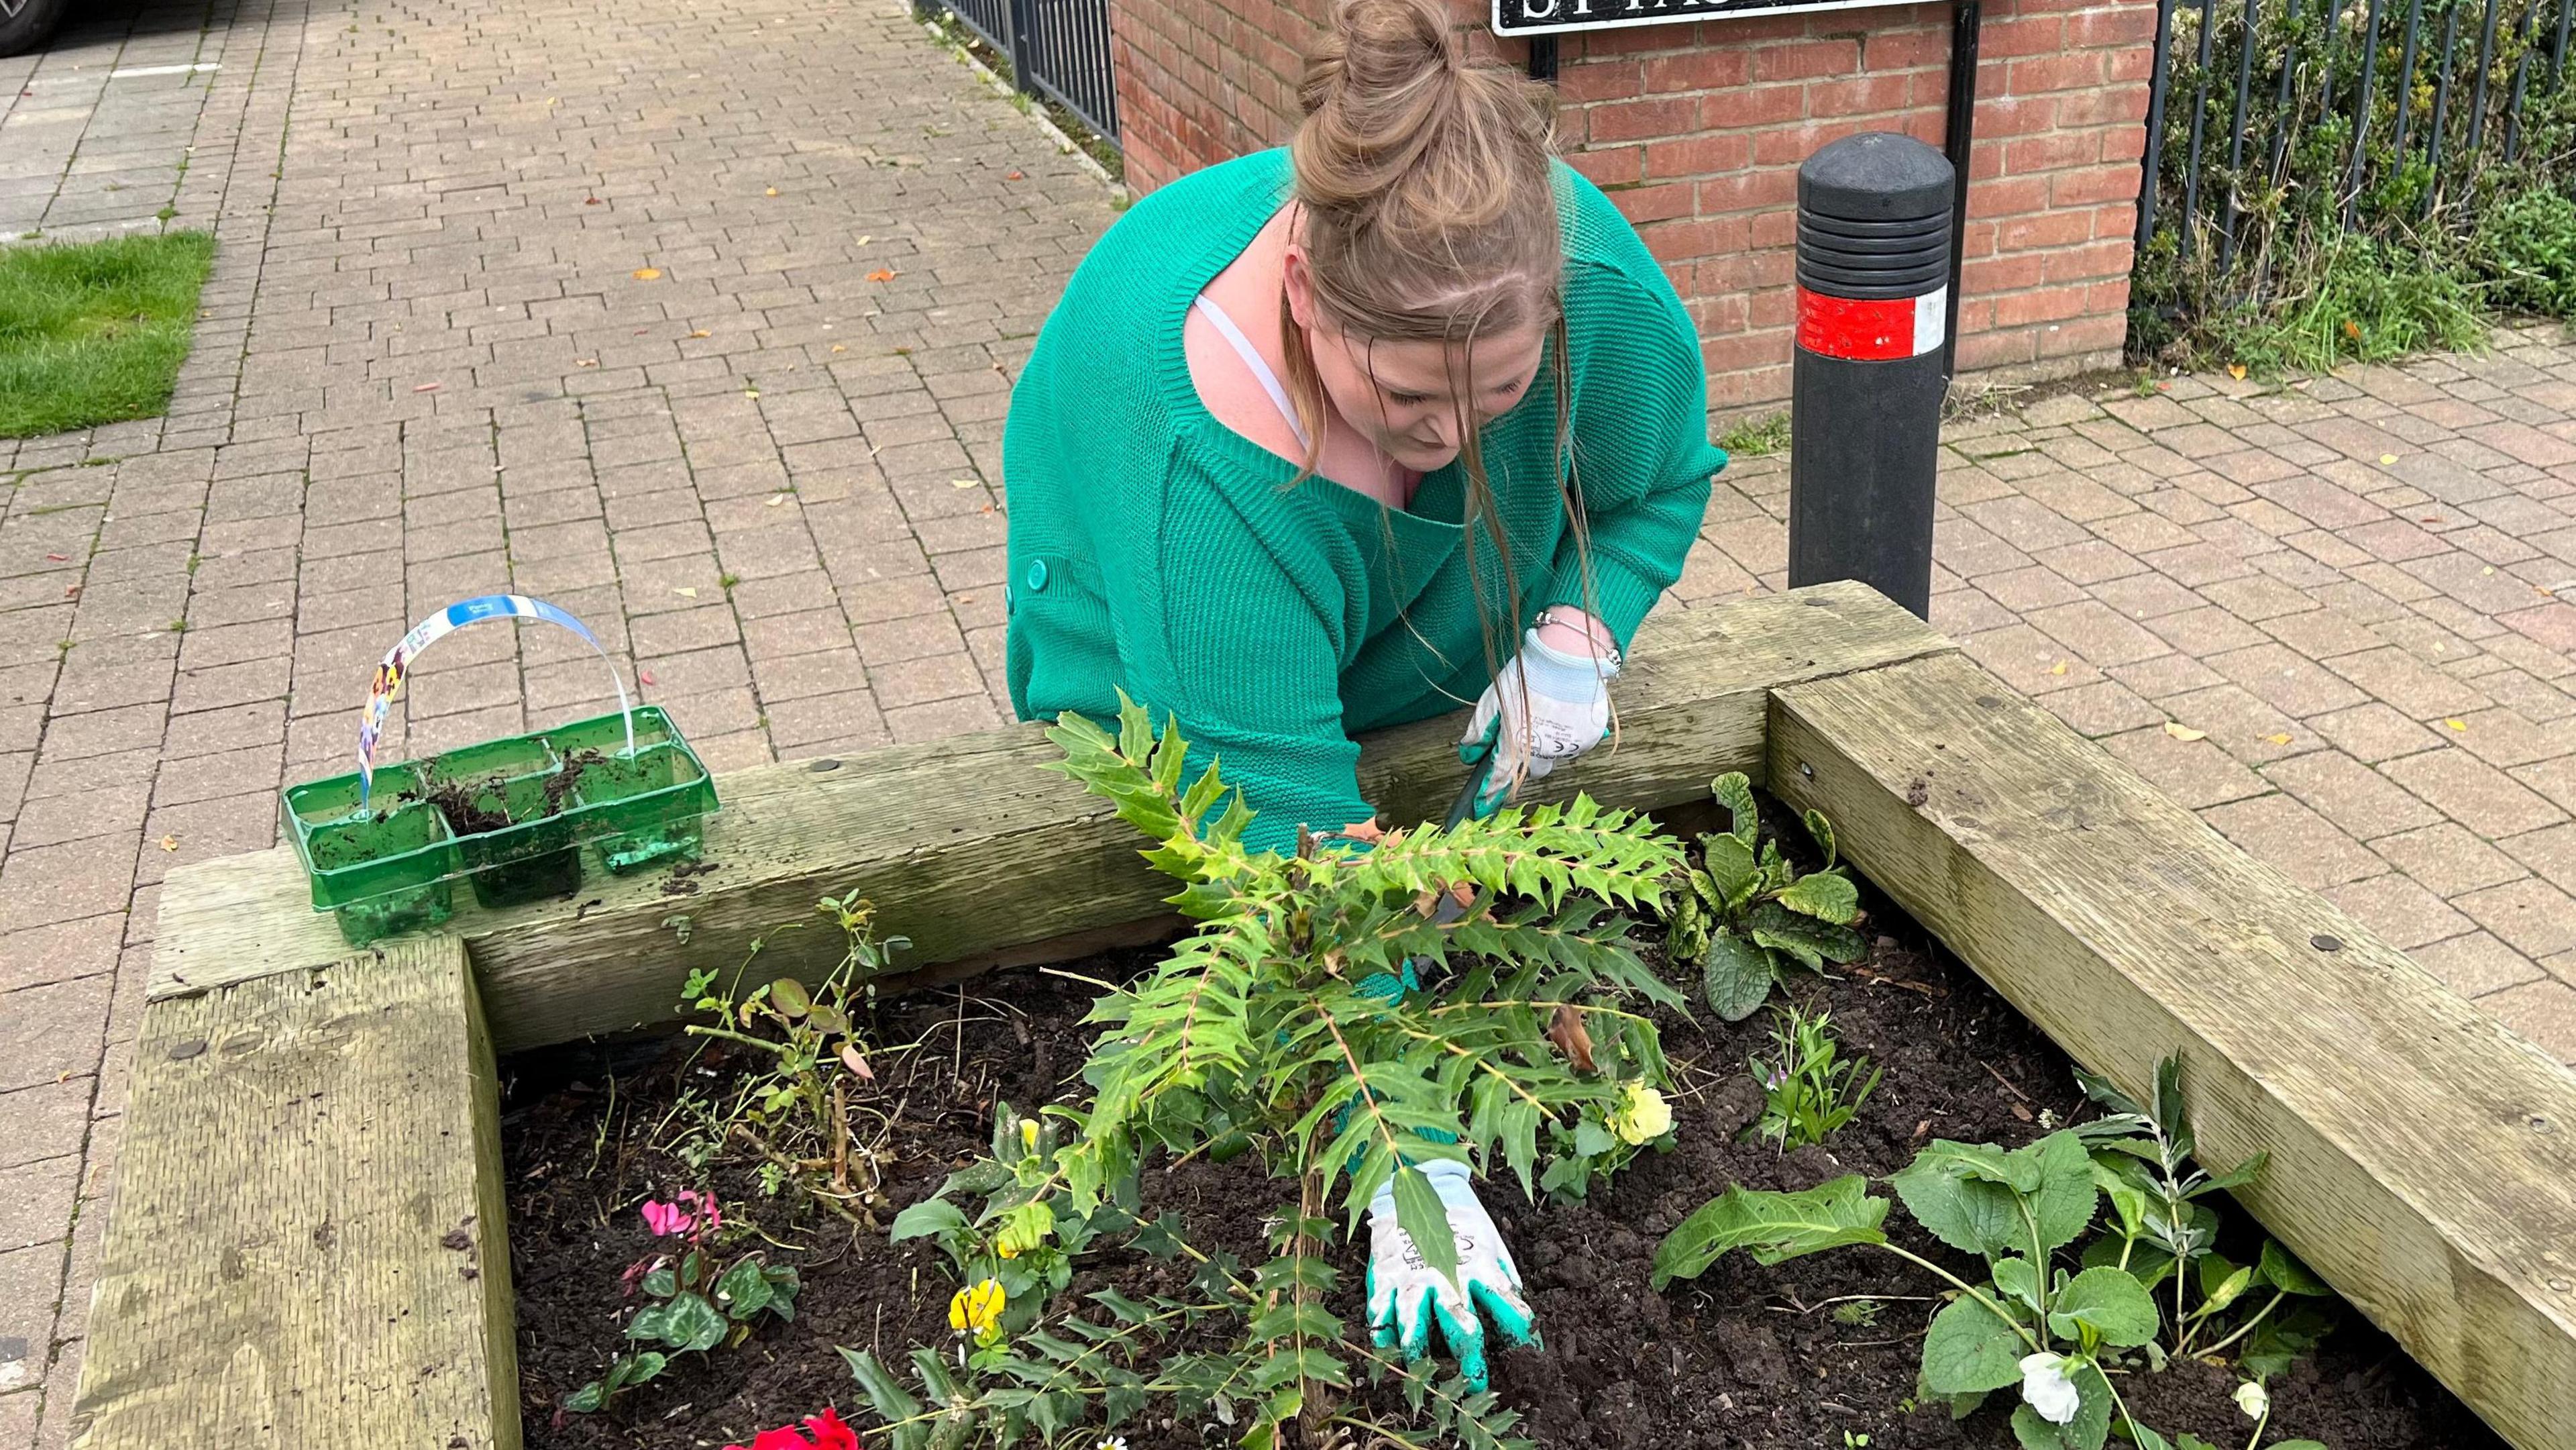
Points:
(1744, 1358)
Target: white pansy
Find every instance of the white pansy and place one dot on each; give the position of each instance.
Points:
(2047, 1390)
(2253, 1399)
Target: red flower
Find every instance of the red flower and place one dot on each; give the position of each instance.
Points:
(831, 1432)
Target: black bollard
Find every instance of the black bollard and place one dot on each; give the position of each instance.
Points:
(1866, 386)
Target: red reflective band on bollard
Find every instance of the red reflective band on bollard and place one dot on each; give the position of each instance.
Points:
(1874, 330)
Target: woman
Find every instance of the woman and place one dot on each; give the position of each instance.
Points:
(1330, 439)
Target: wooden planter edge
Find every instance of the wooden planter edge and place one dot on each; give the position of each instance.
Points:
(2438, 1221)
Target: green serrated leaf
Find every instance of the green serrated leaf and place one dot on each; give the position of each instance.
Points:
(1970, 1349)
(1736, 976)
(1954, 1191)
(2064, 1199)
(1425, 1220)
(1772, 1227)
(2284, 1272)
(2110, 1302)
(1825, 895)
(2016, 1282)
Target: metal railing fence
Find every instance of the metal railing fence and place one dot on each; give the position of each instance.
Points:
(2279, 124)
(1058, 49)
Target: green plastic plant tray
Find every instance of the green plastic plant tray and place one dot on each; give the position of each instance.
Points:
(538, 799)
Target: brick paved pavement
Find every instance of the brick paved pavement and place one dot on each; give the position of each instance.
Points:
(429, 368)
(2324, 616)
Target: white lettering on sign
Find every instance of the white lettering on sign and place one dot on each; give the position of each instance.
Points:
(1549, 17)
(1931, 319)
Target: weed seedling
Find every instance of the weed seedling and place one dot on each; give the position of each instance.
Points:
(1809, 1089)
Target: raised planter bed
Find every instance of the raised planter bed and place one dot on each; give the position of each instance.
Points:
(308, 1247)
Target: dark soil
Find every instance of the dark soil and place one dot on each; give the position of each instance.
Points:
(511, 882)
(1745, 1358)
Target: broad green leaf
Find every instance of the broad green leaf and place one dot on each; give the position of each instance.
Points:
(2064, 1200)
(1773, 1227)
(2287, 1274)
(1734, 790)
(1814, 943)
(1826, 896)
(2128, 1202)
(661, 1283)
(1425, 1220)
(2223, 1283)
(2297, 1445)
(828, 1018)
(1821, 831)
(644, 1365)
(2111, 1302)
(1735, 975)
(930, 1218)
(1951, 1190)
(2017, 1282)
(651, 1322)
(743, 1290)
(1971, 1348)
(587, 1399)
(788, 995)
(2146, 1439)
(692, 1323)
(1731, 874)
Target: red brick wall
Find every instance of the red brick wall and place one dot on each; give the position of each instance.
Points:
(1697, 131)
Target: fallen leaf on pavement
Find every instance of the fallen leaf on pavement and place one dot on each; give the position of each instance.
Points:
(2388, 458)
(169, 843)
(2236, 371)
(882, 274)
(60, 558)
(836, 347)
(2059, 668)
(1016, 176)
(2278, 739)
(961, 483)
(585, 362)
(2180, 731)
(426, 388)
(590, 201)
(647, 274)
(773, 191)
(776, 499)
(644, 676)
(701, 332)
(2459, 725)
(690, 592)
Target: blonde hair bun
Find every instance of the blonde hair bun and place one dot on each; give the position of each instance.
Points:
(1398, 117)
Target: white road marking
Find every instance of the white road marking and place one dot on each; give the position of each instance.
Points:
(133, 72)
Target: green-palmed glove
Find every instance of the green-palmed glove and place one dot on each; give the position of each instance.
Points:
(1405, 1295)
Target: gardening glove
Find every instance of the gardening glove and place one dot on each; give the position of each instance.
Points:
(1545, 707)
(1405, 1295)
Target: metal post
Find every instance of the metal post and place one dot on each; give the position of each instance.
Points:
(2159, 80)
(1542, 57)
(1019, 15)
(1875, 250)
(1958, 144)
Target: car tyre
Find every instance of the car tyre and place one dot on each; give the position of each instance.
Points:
(25, 24)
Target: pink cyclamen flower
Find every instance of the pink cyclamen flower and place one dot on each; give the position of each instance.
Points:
(706, 1203)
(665, 1219)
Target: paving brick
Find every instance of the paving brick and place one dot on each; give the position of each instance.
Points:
(2356, 798)
(2473, 792)
(2303, 845)
(2475, 964)
(2543, 1012)
(2530, 915)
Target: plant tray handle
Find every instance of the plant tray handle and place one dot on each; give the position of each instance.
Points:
(396, 666)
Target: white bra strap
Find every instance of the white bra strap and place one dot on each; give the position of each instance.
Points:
(1261, 372)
